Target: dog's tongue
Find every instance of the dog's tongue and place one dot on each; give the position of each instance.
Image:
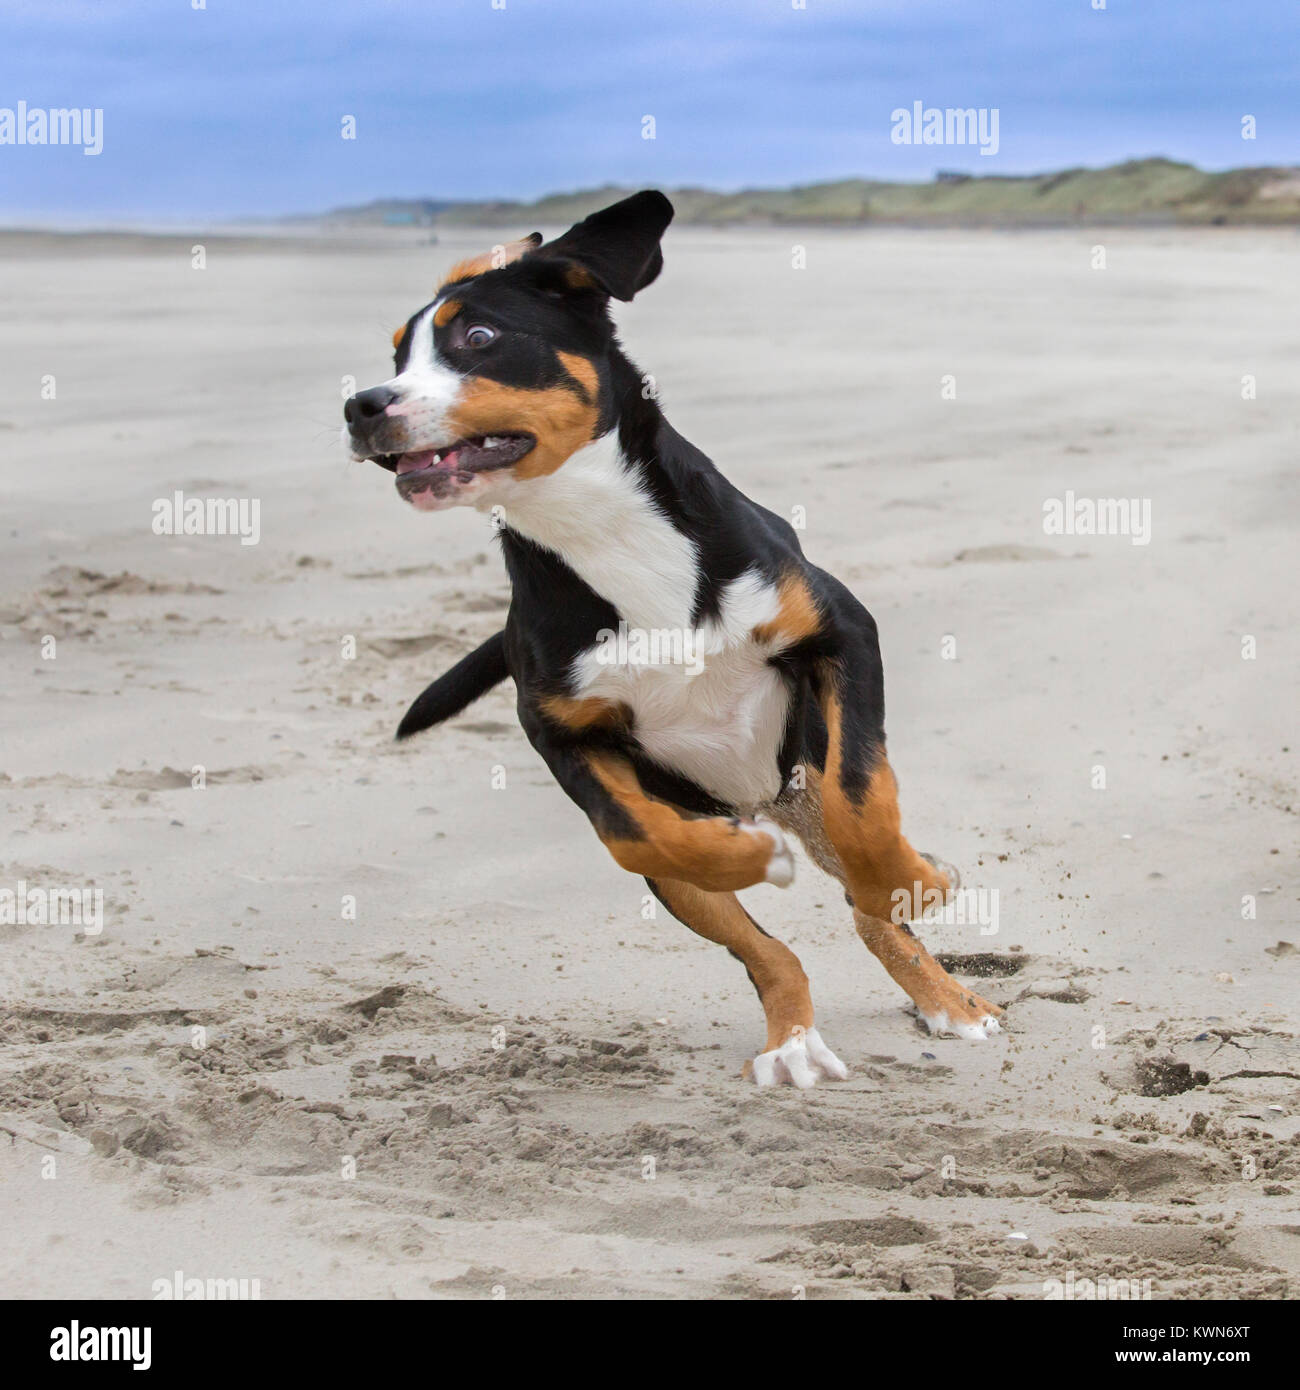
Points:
(412, 463)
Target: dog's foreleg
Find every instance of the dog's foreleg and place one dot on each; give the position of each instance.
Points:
(658, 840)
(795, 1051)
(654, 838)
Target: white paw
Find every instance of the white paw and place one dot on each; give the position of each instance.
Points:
(780, 868)
(802, 1061)
(978, 1032)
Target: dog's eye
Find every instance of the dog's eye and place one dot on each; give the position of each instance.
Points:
(479, 336)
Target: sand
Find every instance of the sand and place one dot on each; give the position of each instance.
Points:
(501, 1074)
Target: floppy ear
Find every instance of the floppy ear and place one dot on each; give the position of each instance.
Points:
(617, 247)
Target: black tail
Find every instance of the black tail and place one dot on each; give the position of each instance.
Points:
(470, 677)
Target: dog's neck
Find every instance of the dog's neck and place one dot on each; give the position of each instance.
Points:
(638, 516)
(597, 514)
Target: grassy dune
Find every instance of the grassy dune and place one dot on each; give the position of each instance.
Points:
(1139, 191)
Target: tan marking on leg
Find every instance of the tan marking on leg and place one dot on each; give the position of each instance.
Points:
(708, 851)
(895, 945)
(774, 968)
(867, 834)
(555, 416)
(798, 616)
(936, 994)
(588, 712)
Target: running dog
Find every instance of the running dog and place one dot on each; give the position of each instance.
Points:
(512, 394)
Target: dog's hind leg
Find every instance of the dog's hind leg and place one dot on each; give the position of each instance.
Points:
(942, 1002)
(888, 882)
(885, 877)
(795, 1052)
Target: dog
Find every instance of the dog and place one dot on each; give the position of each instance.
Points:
(512, 394)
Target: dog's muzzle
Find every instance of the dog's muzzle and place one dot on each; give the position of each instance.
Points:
(368, 421)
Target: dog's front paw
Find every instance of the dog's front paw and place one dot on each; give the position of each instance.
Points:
(802, 1061)
(780, 867)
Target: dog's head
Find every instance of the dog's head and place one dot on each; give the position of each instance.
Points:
(508, 371)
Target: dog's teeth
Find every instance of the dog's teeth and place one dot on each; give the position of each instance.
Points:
(492, 442)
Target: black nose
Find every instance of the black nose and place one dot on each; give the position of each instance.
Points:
(365, 405)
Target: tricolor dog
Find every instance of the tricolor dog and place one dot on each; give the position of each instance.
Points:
(512, 394)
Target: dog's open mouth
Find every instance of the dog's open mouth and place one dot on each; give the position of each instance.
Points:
(440, 470)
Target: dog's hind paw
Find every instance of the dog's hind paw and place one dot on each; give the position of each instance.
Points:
(802, 1061)
(977, 1031)
(780, 867)
(965, 1015)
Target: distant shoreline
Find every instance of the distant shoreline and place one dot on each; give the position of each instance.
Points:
(19, 241)
(1156, 193)
(1149, 192)
(1139, 192)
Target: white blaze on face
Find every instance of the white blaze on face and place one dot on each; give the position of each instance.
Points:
(427, 389)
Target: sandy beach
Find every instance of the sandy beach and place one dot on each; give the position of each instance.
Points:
(369, 1020)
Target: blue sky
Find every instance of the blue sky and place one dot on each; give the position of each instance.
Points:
(236, 109)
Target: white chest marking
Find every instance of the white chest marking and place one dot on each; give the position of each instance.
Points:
(595, 514)
(719, 716)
